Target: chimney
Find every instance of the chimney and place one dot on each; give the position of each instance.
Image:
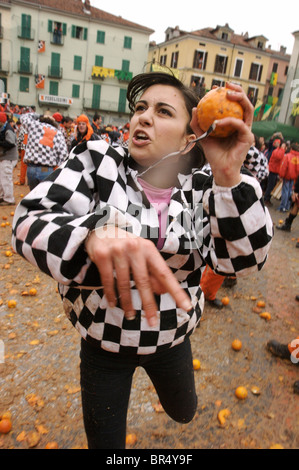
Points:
(283, 49)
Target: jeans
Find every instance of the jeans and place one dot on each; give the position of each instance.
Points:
(6, 180)
(272, 180)
(36, 174)
(106, 380)
(286, 192)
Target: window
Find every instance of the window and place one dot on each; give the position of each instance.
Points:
(26, 26)
(260, 45)
(200, 60)
(224, 37)
(96, 96)
(286, 70)
(255, 72)
(163, 59)
(53, 88)
(77, 62)
(128, 42)
(219, 83)
(24, 84)
(58, 31)
(25, 66)
(122, 100)
(79, 33)
(125, 66)
(174, 60)
(76, 91)
(101, 37)
(99, 60)
(54, 69)
(252, 94)
(275, 67)
(220, 64)
(238, 68)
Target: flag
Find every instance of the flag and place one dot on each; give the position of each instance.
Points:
(40, 81)
(41, 46)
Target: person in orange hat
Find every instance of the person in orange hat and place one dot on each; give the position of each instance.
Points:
(84, 131)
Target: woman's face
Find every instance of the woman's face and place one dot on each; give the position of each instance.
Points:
(158, 125)
(82, 127)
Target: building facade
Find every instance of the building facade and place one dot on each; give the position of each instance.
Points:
(213, 56)
(69, 57)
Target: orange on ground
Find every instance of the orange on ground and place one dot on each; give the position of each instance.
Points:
(236, 344)
(5, 425)
(131, 439)
(265, 315)
(225, 300)
(11, 303)
(261, 303)
(32, 291)
(222, 415)
(51, 445)
(241, 393)
(215, 106)
(196, 364)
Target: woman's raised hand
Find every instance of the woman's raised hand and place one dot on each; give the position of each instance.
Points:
(114, 250)
(226, 155)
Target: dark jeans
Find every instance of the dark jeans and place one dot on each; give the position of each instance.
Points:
(36, 174)
(106, 380)
(272, 180)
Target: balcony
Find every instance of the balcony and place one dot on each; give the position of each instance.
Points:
(25, 67)
(54, 72)
(103, 105)
(26, 33)
(57, 39)
(4, 66)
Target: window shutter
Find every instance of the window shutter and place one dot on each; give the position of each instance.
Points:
(205, 61)
(85, 34)
(73, 31)
(64, 29)
(50, 26)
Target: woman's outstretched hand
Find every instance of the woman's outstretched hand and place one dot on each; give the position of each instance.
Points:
(114, 250)
(226, 155)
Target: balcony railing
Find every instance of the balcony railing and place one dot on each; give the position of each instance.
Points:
(103, 105)
(57, 39)
(25, 67)
(26, 33)
(54, 72)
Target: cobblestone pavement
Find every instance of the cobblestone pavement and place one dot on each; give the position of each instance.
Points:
(40, 374)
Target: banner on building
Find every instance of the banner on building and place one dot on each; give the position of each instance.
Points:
(57, 100)
(40, 81)
(41, 46)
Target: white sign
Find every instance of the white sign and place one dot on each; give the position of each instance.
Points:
(52, 99)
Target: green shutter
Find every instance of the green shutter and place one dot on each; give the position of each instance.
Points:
(99, 61)
(122, 101)
(26, 26)
(64, 25)
(24, 84)
(25, 59)
(53, 88)
(73, 31)
(101, 37)
(96, 96)
(50, 26)
(85, 34)
(76, 91)
(125, 66)
(128, 42)
(77, 62)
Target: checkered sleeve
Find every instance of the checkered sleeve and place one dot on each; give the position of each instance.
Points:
(241, 228)
(257, 164)
(52, 222)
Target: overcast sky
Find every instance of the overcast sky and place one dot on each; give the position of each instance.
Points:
(274, 20)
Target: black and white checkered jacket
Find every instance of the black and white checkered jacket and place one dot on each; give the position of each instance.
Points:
(228, 228)
(256, 162)
(46, 145)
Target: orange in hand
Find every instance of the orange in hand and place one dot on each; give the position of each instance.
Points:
(215, 106)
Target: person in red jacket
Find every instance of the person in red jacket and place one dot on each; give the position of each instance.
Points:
(289, 170)
(274, 167)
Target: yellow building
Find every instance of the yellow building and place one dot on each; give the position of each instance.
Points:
(213, 56)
